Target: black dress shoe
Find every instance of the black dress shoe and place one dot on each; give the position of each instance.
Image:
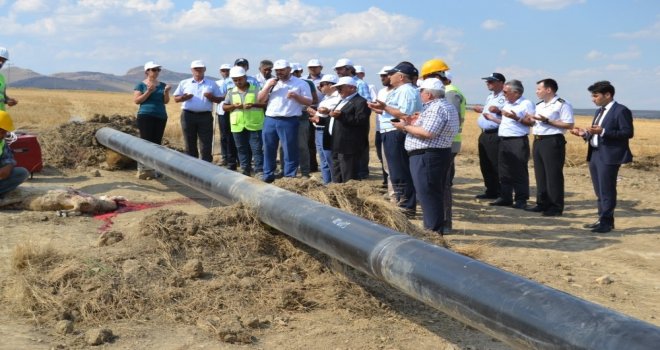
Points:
(594, 225)
(501, 202)
(485, 196)
(602, 229)
(552, 213)
(520, 205)
(535, 209)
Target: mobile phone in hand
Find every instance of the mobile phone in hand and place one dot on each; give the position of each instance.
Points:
(395, 120)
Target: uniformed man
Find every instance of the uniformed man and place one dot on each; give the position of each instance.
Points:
(514, 146)
(553, 117)
(489, 121)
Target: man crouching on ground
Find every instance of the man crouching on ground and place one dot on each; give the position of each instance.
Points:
(10, 175)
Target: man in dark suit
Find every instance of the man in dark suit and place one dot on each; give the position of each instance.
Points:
(608, 137)
(347, 133)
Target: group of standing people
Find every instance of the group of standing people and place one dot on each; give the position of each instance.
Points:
(418, 131)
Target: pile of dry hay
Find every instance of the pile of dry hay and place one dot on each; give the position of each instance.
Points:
(224, 271)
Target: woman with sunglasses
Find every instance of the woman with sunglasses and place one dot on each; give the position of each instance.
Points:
(151, 95)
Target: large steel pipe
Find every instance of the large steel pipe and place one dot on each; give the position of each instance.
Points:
(518, 311)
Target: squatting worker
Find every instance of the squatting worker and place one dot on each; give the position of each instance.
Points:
(246, 119)
(553, 117)
(402, 102)
(489, 121)
(197, 96)
(428, 143)
(10, 175)
(286, 96)
(152, 95)
(608, 138)
(514, 147)
(4, 99)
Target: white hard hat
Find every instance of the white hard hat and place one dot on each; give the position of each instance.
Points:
(281, 64)
(236, 71)
(197, 64)
(295, 66)
(151, 64)
(359, 69)
(342, 62)
(432, 84)
(4, 53)
(345, 81)
(328, 78)
(225, 66)
(314, 63)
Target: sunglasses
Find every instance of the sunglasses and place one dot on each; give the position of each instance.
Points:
(155, 69)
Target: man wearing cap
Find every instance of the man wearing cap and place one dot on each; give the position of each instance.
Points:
(286, 96)
(428, 143)
(319, 117)
(227, 144)
(402, 103)
(360, 73)
(246, 119)
(514, 147)
(489, 121)
(347, 131)
(197, 96)
(304, 133)
(553, 117)
(11, 176)
(265, 71)
(4, 99)
(314, 67)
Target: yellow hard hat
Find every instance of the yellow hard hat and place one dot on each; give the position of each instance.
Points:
(434, 65)
(5, 121)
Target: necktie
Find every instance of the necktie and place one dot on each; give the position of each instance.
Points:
(594, 138)
(332, 120)
(600, 115)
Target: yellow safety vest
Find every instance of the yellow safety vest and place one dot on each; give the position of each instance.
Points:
(3, 87)
(461, 112)
(251, 119)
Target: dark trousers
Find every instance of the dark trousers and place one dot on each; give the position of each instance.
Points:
(378, 141)
(489, 144)
(429, 173)
(345, 167)
(447, 193)
(198, 126)
(151, 128)
(514, 176)
(249, 144)
(603, 177)
(363, 166)
(549, 155)
(399, 167)
(227, 142)
(311, 145)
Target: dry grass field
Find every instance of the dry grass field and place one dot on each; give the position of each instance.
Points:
(39, 109)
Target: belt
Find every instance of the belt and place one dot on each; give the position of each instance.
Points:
(195, 112)
(283, 116)
(512, 137)
(542, 137)
(417, 152)
(320, 127)
(382, 131)
(490, 131)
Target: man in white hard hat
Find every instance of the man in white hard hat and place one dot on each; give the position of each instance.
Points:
(4, 99)
(286, 96)
(10, 175)
(197, 95)
(329, 101)
(227, 145)
(246, 117)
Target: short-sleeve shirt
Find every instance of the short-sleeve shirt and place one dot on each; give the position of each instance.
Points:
(512, 128)
(496, 100)
(281, 106)
(198, 103)
(556, 109)
(440, 119)
(405, 98)
(154, 105)
(384, 118)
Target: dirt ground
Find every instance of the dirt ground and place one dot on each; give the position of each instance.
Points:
(260, 290)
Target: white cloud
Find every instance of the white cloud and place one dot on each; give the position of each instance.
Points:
(651, 32)
(632, 53)
(551, 4)
(594, 55)
(491, 24)
(448, 38)
(29, 6)
(374, 27)
(617, 67)
(521, 73)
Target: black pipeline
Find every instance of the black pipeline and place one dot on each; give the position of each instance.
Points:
(518, 311)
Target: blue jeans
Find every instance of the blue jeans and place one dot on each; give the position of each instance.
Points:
(248, 144)
(325, 156)
(16, 177)
(278, 129)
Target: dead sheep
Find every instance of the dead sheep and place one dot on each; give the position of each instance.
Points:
(66, 201)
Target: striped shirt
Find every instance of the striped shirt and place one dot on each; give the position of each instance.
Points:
(438, 117)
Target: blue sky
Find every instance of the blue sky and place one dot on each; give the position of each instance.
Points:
(575, 42)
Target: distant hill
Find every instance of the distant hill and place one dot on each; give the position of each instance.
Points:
(96, 81)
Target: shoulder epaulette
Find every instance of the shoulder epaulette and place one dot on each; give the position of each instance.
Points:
(561, 100)
(538, 103)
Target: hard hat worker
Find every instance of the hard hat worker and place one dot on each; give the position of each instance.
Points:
(4, 99)
(10, 175)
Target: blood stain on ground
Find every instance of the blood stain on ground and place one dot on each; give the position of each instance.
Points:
(128, 207)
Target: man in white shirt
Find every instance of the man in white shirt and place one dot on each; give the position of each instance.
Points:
(197, 96)
(329, 101)
(286, 97)
(227, 144)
